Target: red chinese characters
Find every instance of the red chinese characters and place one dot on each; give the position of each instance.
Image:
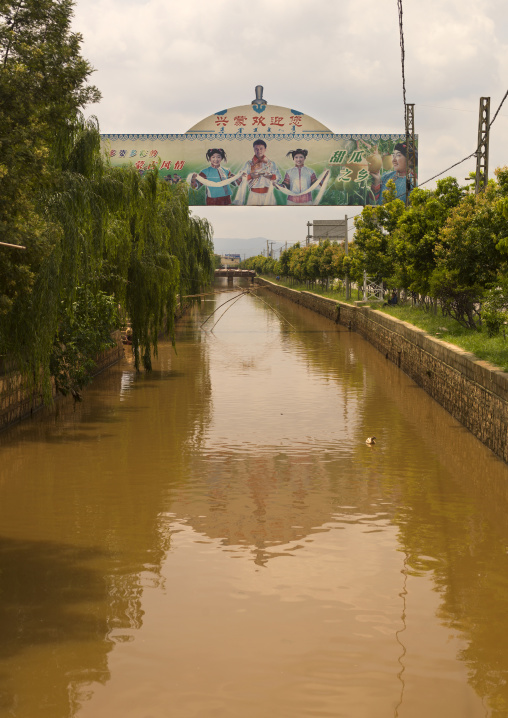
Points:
(179, 164)
(240, 121)
(277, 121)
(258, 122)
(221, 121)
(295, 120)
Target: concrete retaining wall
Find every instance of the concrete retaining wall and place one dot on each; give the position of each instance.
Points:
(18, 400)
(473, 391)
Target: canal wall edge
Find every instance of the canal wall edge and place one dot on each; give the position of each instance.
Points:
(473, 391)
(19, 400)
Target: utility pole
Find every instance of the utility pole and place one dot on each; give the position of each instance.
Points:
(309, 225)
(267, 249)
(410, 151)
(482, 151)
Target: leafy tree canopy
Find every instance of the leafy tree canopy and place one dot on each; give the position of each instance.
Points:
(95, 236)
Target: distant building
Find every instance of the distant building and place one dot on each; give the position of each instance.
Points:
(230, 260)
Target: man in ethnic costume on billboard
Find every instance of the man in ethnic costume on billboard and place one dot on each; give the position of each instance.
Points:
(398, 175)
(299, 178)
(215, 173)
(260, 173)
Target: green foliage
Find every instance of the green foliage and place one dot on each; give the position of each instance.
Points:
(315, 263)
(84, 330)
(495, 308)
(372, 250)
(262, 265)
(42, 86)
(94, 236)
(468, 258)
(448, 247)
(416, 236)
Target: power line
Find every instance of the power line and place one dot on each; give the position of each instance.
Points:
(472, 153)
(453, 109)
(497, 111)
(447, 169)
(402, 56)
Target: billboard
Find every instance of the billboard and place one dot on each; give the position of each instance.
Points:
(329, 228)
(265, 155)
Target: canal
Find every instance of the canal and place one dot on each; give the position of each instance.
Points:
(216, 540)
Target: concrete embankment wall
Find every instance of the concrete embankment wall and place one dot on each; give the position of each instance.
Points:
(473, 391)
(18, 400)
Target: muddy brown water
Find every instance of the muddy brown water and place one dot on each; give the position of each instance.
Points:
(215, 539)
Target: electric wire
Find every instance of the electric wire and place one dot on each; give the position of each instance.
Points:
(420, 184)
(497, 111)
(217, 308)
(472, 153)
(246, 291)
(231, 305)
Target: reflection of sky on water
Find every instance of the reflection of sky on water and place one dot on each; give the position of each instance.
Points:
(278, 398)
(249, 555)
(126, 382)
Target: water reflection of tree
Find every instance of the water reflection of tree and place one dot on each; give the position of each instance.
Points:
(103, 490)
(452, 517)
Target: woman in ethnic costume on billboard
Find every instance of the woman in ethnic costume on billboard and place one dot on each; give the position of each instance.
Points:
(299, 178)
(398, 175)
(215, 173)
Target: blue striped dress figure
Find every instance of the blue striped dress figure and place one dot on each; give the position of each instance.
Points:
(215, 173)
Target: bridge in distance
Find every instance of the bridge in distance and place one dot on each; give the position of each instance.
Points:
(232, 273)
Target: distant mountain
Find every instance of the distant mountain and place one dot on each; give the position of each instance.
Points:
(248, 247)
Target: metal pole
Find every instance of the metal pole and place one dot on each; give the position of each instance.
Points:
(482, 151)
(364, 285)
(410, 151)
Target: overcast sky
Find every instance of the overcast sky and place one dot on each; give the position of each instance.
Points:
(163, 65)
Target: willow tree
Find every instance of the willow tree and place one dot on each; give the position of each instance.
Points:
(43, 84)
(54, 324)
(94, 236)
(171, 253)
